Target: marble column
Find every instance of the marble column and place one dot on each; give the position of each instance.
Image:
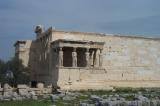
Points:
(100, 58)
(60, 57)
(87, 58)
(74, 58)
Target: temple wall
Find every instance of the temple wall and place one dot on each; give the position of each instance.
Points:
(23, 51)
(44, 61)
(127, 60)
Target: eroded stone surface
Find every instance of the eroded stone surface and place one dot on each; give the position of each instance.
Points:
(121, 61)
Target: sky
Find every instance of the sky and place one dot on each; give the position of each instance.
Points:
(18, 18)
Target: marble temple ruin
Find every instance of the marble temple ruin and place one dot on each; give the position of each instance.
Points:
(82, 60)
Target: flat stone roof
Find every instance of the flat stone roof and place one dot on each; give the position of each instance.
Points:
(78, 41)
(105, 34)
(50, 29)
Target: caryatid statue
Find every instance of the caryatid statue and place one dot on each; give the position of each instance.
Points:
(60, 57)
(74, 57)
(95, 58)
(100, 58)
(91, 58)
(87, 58)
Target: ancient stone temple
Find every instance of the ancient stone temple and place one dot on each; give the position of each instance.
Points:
(81, 60)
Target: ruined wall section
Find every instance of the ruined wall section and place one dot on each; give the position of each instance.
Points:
(125, 58)
(132, 58)
(43, 58)
(33, 60)
(26, 50)
(23, 50)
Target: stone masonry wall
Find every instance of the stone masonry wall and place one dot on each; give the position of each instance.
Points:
(128, 61)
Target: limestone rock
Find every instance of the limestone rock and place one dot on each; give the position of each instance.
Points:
(46, 96)
(68, 98)
(14, 94)
(34, 97)
(7, 86)
(104, 102)
(140, 97)
(54, 98)
(22, 86)
(61, 95)
(32, 93)
(40, 85)
(95, 98)
(23, 92)
(86, 104)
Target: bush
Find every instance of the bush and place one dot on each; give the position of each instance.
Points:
(20, 73)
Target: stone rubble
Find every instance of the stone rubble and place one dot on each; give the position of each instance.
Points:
(68, 98)
(107, 100)
(54, 97)
(23, 92)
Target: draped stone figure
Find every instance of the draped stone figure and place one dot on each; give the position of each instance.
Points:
(60, 57)
(74, 57)
(100, 58)
(95, 58)
(87, 58)
(91, 58)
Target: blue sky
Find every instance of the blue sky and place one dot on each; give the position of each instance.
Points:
(129, 17)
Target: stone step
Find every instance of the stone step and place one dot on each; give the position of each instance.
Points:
(91, 85)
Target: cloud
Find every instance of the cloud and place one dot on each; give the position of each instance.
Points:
(18, 18)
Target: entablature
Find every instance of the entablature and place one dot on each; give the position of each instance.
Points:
(77, 44)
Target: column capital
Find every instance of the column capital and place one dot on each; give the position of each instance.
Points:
(60, 48)
(74, 49)
(87, 49)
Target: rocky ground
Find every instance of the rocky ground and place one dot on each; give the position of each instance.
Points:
(116, 97)
(119, 97)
